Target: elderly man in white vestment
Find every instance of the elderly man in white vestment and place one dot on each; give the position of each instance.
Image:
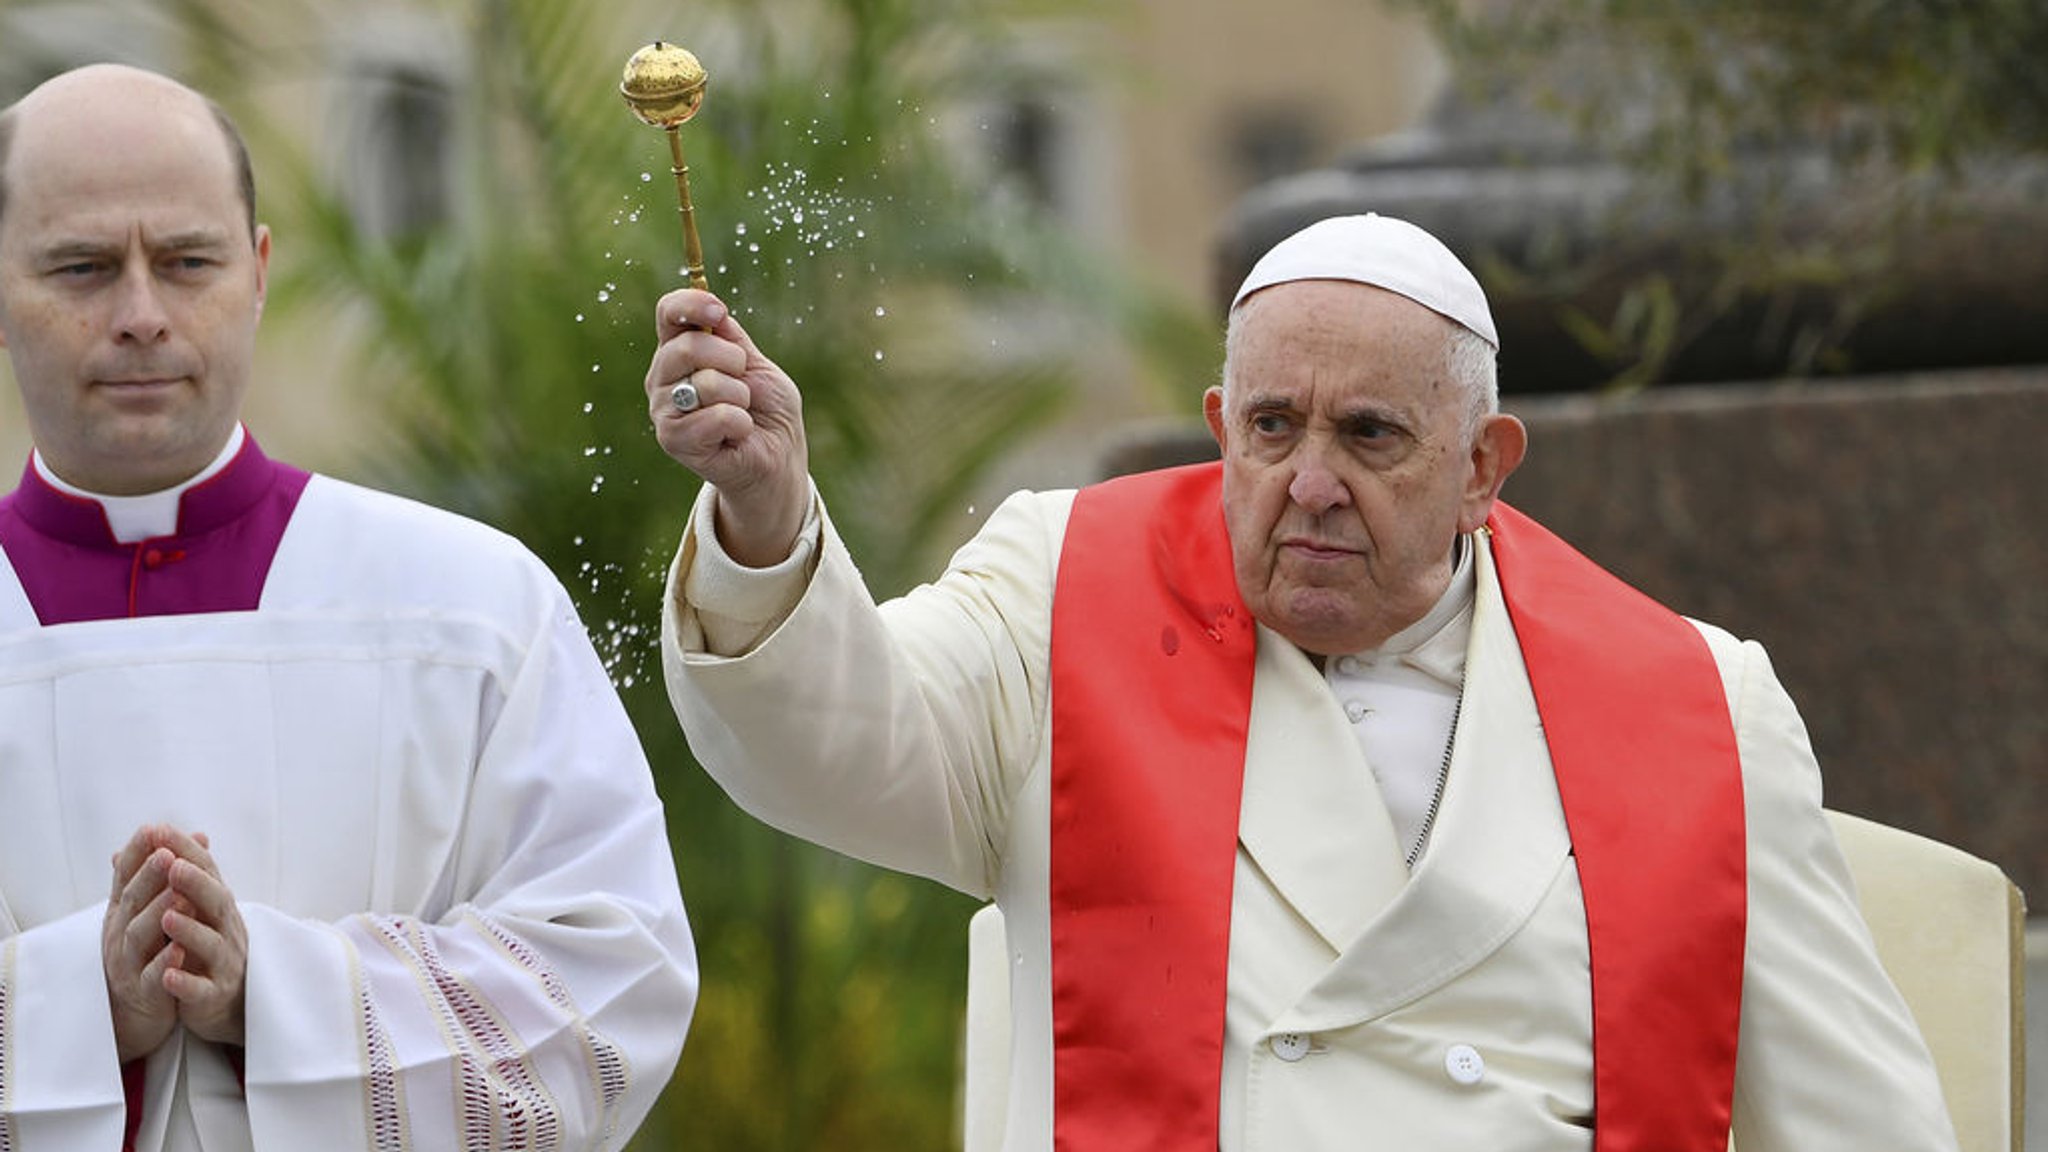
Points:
(387, 865)
(1331, 803)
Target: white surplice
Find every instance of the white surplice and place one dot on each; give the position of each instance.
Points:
(464, 924)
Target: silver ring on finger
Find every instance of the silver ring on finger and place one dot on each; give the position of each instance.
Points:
(683, 397)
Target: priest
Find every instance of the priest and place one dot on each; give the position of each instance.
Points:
(1331, 802)
(321, 825)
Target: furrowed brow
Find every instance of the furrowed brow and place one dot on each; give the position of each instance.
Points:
(1373, 417)
(78, 248)
(1268, 403)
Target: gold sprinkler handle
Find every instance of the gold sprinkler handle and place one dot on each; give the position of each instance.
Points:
(693, 249)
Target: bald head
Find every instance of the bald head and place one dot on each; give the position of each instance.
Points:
(132, 277)
(112, 98)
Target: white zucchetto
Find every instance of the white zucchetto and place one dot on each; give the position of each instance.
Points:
(1385, 253)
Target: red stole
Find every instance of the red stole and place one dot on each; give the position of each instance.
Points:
(1152, 661)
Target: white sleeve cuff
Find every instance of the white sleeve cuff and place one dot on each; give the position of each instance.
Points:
(739, 606)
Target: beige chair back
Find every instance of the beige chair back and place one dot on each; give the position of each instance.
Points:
(1951, 931)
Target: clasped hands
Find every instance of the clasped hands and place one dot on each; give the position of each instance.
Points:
(173, 944)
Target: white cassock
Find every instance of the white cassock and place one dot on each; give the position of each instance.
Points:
(464, 924)
(1449, 1009)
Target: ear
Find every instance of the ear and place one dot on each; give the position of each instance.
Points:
(1497, 451)
(1212, 412)
(262, 266)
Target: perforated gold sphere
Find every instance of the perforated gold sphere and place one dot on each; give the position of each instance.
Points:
(663, 85)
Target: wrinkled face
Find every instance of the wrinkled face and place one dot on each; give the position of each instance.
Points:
(1351, 460)
(130, 286)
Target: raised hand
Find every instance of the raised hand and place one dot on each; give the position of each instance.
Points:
(739, 424)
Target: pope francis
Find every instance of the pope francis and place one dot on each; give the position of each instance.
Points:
(1331, 803)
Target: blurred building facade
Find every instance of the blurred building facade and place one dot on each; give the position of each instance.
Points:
(1135, 125)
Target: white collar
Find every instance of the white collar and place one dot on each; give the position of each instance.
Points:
(1435, 644)
(151, 514)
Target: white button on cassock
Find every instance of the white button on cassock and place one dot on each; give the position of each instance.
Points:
(1290, 1046)
(1464, 1064)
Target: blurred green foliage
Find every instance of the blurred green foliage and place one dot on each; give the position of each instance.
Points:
(513, 339)
(1689, 87)
(1806, 157)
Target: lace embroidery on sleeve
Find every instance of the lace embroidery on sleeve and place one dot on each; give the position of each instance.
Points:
(7, 961)
(611, 1074)
(383, 1088)
(503, 1103)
